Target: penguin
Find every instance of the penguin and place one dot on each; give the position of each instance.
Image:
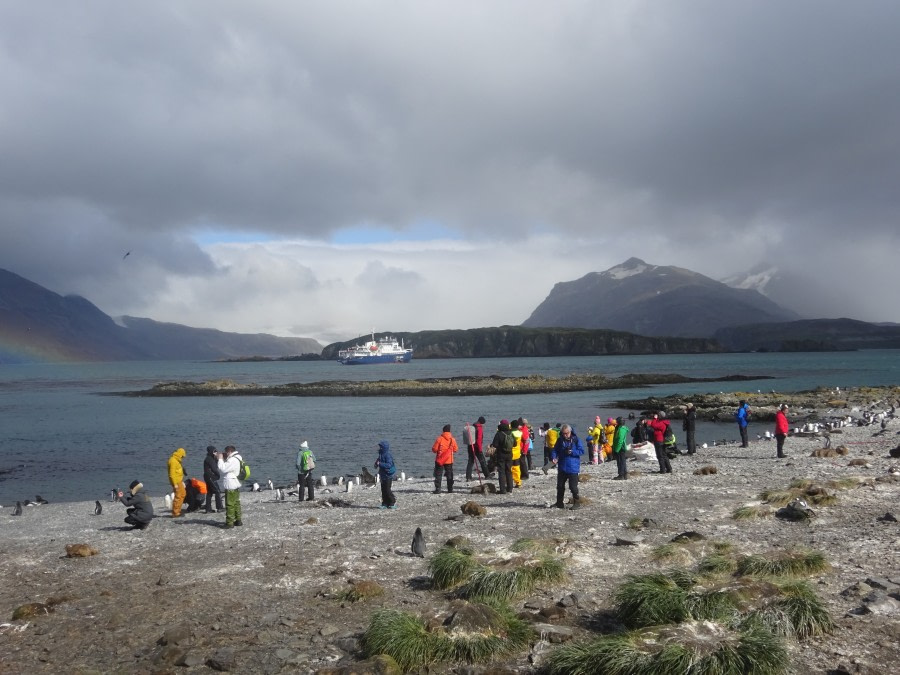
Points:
(271, 484)
(281, 494)
(18, 511)
(255, 487)
(40, 500)
(418, 543)
(98, 508)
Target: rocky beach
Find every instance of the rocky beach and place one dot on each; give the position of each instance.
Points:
(296, 588)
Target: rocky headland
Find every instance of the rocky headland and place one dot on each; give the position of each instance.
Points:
(817, 405)
(464, 385)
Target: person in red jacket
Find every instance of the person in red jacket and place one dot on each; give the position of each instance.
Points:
(781, 429)
(659, 427)
(444, 448)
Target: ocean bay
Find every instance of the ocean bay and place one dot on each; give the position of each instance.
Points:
(62, 439)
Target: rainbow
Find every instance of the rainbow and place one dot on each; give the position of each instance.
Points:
(18, 348)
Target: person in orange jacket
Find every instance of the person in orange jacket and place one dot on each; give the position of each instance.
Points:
(444, 448)
(195, 491)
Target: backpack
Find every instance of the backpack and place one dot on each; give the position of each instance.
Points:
(244, 470)
(307, 461)
(669, 435)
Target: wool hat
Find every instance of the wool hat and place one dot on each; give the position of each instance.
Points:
(504, 421)
(481, 420)
(304, 445)
(446, 427)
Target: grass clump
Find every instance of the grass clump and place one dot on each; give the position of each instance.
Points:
(528, 545)
(651, 599)
(797, 612)
(485, 632)
(717, 563)
(702, 648)
(671, 552)
(751, 512)
(452, 566)
(788, 564)
(361, 590)
(517, 577)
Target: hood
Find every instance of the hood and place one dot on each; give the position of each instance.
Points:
(179, 454)
(136, 488)
(384, 446)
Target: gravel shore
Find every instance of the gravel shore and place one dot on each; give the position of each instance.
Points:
(188, 596)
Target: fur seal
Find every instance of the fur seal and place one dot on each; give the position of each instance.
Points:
(418, 543)
(18, 511)
(98, 508)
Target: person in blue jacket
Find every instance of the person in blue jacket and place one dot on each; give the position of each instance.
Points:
(386, 470)
(566, 455)
(743, 418)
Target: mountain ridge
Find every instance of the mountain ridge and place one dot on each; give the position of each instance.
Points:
(655, 301)
(37, 324)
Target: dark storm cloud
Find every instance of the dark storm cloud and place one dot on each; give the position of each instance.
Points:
(688, 125)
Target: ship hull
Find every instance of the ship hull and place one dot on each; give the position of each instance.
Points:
(366, 359)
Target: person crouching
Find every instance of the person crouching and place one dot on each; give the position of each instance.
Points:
(139, 510)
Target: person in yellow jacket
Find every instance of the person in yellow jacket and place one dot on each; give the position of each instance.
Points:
(176, 480)
(594, 440)
(516, 453)
(610, 431)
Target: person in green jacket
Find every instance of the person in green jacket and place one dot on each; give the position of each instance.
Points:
(620, 447)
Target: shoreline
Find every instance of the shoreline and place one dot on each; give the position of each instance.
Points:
(268, 596)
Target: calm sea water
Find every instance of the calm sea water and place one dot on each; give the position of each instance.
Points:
(62, 439)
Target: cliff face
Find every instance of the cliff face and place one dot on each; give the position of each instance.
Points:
(519, 341)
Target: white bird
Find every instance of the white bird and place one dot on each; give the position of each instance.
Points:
(255, 487)
(271, 485)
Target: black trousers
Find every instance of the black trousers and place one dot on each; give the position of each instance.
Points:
(779, 440)
(662, 457)
(745, 442)
(387, 496)
(445, 470)
(561, 479)
(475, 455)
(621, 464)
(134, 522)
(306, 480)
(212, 488)
(691, 442)
(504, 475)
(524, 465)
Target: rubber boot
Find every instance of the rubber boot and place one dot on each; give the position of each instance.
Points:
(449, 486)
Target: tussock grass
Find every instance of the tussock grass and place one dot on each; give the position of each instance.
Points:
(751, 512)
(452, 566)
(788, 564)
(361, 590)
(843, 483)
(637, 523)
(717, 563)
(779, 497)
(798, 612)
(702, 648)
(407, 640)
(518, 578)
(671, 552)
(652, 599)
(722, 546)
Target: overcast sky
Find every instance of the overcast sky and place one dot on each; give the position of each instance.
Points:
(324, 168)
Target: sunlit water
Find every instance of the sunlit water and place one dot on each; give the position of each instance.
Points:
(62, 439)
